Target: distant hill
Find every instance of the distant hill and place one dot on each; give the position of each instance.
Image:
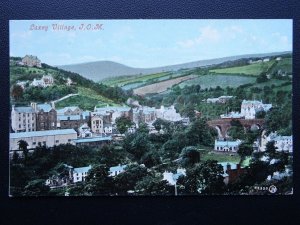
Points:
(100, 70)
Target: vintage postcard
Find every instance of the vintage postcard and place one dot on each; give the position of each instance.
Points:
(150, 107)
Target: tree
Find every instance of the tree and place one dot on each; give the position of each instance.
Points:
(127, 180)
(245, 149)
(236, 131)
(153, 185)
(98, 182)
(203, 178)
(190, 156)
(123, 123)
(36, 188)
(17, 92)
(23, 146)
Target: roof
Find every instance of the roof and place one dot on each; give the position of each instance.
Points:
(42, 133)
(63, 110)
(44, 107)
(82, 169)
(113, 108)
(233, 166)
(227, 143)
(26, 109)
(93, 139)
(117, 168)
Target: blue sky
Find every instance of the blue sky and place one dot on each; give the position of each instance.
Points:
(148, 43)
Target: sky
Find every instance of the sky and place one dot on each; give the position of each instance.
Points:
(147, 43)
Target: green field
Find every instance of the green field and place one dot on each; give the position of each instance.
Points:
(253, 69)
(220, 157)
(121, 81)
(212, 81)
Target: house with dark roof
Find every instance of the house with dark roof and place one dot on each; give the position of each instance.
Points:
(46, 116)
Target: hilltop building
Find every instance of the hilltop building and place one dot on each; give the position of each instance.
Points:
(45, 81)
(31, 61)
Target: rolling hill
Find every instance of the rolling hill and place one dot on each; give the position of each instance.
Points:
(100, 70)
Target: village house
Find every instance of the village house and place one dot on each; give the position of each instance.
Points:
(115, 170)
(46, 116)
(173, 177)
(72, 117)
(282, 143)
(231, 171)
(31, 61)
(45, 81)
(168, 113)
(227, 146)
(84, 131)
(80, 174)
(94, 141)
(143, 114)
(48, 138)
(232, 115)
(74, 175)
(222, 99)
(250, 108)
(101, 122)
(23, 119)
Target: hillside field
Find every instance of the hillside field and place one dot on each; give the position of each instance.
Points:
(253, 69)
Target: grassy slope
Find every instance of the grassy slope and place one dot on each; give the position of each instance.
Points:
(121, 81)
(87, 97)
(221, 80)
(253, 69)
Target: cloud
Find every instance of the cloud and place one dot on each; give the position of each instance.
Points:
(208, 34)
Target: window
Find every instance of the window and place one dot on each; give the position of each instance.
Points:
(39, 143)
(57, 141)
(69, 140)
(44, 142)
(34, 143)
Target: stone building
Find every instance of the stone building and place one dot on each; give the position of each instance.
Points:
(46, 116)
(72, 117)
(31, 61)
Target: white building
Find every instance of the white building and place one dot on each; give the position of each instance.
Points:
(47, 80)
(282, 143)
(84, 131)
(172, 178)
(115, 170)
(222, 99)
(23, 119)
(232, 115)
(47, 137)
(227, 146)
(168, 113)
(80, 174)
(250, 108)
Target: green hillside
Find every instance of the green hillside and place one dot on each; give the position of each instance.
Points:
(253, 69)
(89, 92)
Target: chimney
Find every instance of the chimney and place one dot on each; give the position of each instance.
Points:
(33, 105)
(228, 167)
(53, 105)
